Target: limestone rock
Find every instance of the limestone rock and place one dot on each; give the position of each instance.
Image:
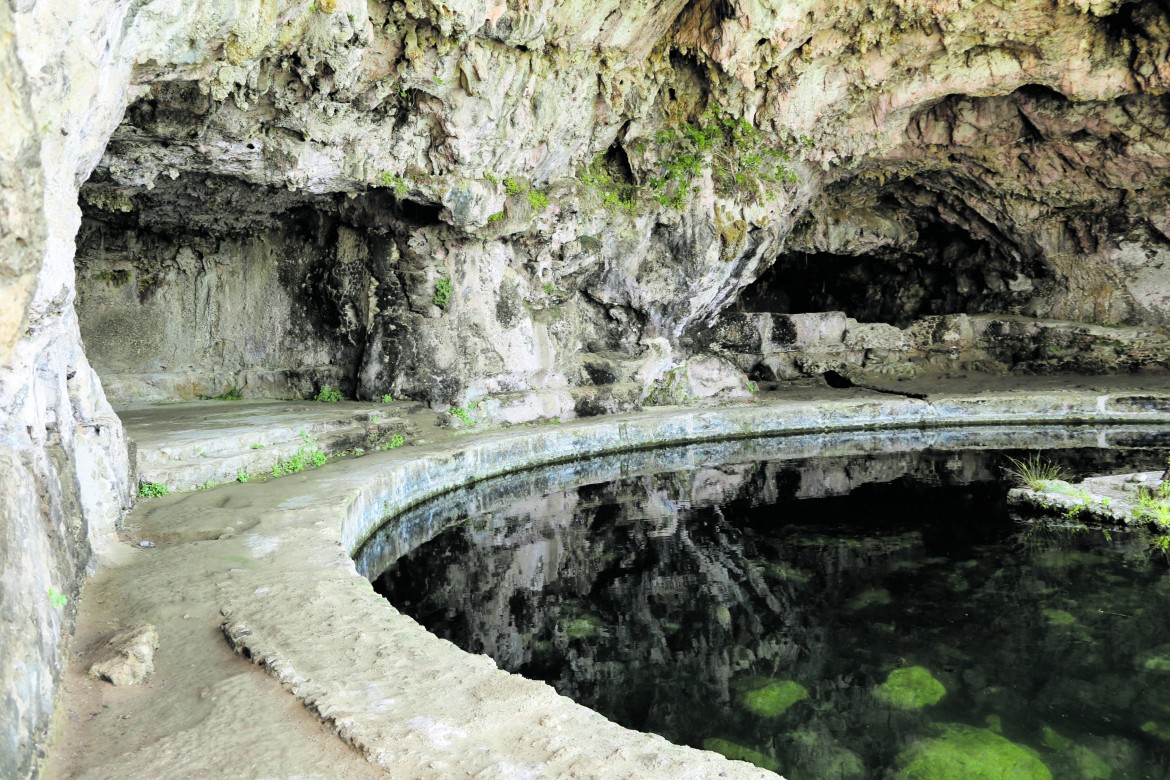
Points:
(127, 656)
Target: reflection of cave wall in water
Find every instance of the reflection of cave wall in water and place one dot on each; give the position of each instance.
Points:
(659, 599)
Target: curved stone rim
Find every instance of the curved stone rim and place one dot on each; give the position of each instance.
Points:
(417, 704)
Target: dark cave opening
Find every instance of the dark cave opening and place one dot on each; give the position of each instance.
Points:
(945, 272)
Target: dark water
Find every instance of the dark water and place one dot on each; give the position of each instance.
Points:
(664, 599)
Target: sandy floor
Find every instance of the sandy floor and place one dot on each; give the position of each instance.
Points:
(208, 712)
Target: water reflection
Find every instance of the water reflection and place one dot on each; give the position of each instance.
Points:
(847, 616)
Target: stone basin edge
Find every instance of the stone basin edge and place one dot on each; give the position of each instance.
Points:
(420, 706)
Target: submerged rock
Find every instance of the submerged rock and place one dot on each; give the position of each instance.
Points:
(774, 699)
(740, 753)
(127, 657)
(966, 752)
(910, 689)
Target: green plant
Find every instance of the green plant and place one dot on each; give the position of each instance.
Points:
(737, 154)
(438, 79)
(1033, 471)
(550, 289)
(387, 399)
(56, 598)
(397, 183)
(463, 414)
(308, 454)
(257, 446)
(538, 200)
(233, 393)
(753, 388)
(396, 441)
(443, 290)
(499, 215)
(492, 178)
(514, 186)
(614, 194)
(152, 490)
(328, 395)
(208, 485)
(241, 476)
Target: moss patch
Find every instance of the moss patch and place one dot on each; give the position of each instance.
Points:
(969, 753)
(910, 689)
(740, 753)
(1058, 617)
(583, 627)
(774, 699)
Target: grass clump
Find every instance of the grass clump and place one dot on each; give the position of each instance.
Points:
(387, 399)
(1033, 471)
(538, 200)
(443, 290)
(152, 490)
(498, 216)
(328, 395)
(233, 393)
(242, 477)
(308, 454)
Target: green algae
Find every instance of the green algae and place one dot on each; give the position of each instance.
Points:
(1158, 731)
(911, 688)
(774, 699)
(1157, 663)
(870, 598)
(584, 627)
(740, 753)
(1054, 741)
(970, 753)
(1058, 617)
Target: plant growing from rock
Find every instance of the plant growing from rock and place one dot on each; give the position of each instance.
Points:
(1033, 471)
(387, 399)
(462, 414)
(397, 183)
(614, 194)
(514, 186)
(152, 490)
(233, 393)
(328, 395)
(396, 441)
(538, 200)
(308, 454)
(739, 157)
(443, 290)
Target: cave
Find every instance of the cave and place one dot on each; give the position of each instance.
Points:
(945, 271)
(272, 275)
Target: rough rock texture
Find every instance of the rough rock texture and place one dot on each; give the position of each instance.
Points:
(278, 190)
(128, 656)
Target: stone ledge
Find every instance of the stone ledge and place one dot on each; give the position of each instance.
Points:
(410, 701)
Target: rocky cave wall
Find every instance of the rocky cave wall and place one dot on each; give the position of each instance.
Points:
(275, 189)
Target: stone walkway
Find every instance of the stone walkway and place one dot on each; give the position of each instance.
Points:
(266, 566)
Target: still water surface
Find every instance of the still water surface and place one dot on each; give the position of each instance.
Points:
(877, 612)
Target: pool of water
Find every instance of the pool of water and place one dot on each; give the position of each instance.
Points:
(875, 611)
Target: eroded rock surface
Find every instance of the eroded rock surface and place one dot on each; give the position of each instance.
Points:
(127, 656)
(533, 206)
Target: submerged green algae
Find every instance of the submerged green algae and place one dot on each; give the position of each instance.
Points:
(774, 699)
(736, 752)
(911, 688)
(970, 753)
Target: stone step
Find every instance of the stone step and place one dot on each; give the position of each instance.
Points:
(199, 444)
